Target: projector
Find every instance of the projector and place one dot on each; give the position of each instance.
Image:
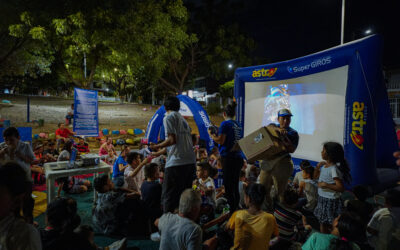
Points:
(90, 160)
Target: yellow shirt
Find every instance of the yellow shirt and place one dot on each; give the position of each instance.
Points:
(252, 231)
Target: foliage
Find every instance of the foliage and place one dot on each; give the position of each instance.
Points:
(226, 89)
(213, 109)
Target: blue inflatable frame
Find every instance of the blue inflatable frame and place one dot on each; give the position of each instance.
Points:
(155, 129)
(371, 145)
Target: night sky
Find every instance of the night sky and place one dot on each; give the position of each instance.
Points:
(286, 29)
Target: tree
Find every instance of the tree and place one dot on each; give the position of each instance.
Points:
(215, 43)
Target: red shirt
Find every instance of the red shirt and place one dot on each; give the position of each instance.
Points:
(63, 133)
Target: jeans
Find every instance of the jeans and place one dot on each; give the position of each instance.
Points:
(231, 171)
(176, 180)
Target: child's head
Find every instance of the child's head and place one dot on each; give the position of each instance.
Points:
(213, 172)
(349, 227)
(361, 192)
(392, 198)
(333, 152)
(304, 164)
(38, 148)
(290, 197)
(11, 136)
(13, 185)
(61, 125)
(151, 171)
(81, 141)
(61, 214)
(125, 150)
(202, 170)
(203, 153)
(103, 184)
(242, 176)
(133, 159)
(52, 145)
(255, 195)
(110, 153)
(308, 172)
(108, 140)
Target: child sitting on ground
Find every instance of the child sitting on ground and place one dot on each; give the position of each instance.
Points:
(309, 187)
(118, 211)
(253, 228)
(151, 191)
(202, 155)
(359, 205)
(15, 233)
(119, 167)
(134, 174)
(205, 184)
(290, 221)
(51, 152)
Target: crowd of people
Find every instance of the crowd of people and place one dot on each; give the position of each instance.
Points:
(189, 198)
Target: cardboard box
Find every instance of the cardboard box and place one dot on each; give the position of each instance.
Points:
(264, 143)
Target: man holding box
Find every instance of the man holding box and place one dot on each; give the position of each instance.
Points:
(278, 170)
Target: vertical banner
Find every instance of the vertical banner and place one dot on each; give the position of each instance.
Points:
(86, 118)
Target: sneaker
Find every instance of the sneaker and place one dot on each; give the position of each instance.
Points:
(155, 236)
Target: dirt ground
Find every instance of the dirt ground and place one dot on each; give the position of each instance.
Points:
(113, 116)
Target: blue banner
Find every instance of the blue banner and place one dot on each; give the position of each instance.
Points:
(86, 118)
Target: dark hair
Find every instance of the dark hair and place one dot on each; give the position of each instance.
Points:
(11, 131)
(172, 103)
(59, 124)
(290, 196)
(150, 170)
(230, 109)
(100, 182)
(242, 173)
(194, 139)
(256, 193)
(131, 157)
(51, 144)
(202, 150)
(205, 166)
(335, 154)
(84, 231)
(361, 192)
(212, 171)
(309, 170)
(68, 146)
(350, 229)
(13, 178)
(62, 214)
(392, 197)
(304, 164)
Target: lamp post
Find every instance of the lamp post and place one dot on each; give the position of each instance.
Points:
(342, 24)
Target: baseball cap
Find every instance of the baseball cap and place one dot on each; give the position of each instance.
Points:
(284, 112)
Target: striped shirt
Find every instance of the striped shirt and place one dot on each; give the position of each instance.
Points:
(288, 219)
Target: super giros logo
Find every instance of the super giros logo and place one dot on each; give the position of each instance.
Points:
(357, 126)
(264, 72)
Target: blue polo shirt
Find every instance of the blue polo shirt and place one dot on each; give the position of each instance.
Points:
(232, 131)
(292, 135)
(116, 172)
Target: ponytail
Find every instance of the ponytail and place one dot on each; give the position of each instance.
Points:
(335, 153)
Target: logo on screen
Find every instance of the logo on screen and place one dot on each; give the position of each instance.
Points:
(264, 72)
(357, 126)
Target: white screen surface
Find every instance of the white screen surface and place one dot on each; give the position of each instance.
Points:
(317, 102)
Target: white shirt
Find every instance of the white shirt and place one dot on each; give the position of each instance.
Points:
(384, 221)
(327, 175)
(17, 234)
(298, 177)
(26, 150)
(181, 153)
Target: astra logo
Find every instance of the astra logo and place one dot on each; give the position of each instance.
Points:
(314, 64)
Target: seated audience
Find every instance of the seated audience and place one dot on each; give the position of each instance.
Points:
(202, 155)
(359, 205)
(63, 134)
(119, 167)
(118, 211)
(106, 148)
(346, 229)
(290, 221)
(253, 227)
(309, 188)
(384, 225)
(134, 174)
(298, 177)
(82, 146)
(205, 185)
(151, 191)
(51, 153)
(179, 231)
(15, 233)
(66, 151)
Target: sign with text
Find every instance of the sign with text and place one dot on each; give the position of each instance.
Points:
(86, 116)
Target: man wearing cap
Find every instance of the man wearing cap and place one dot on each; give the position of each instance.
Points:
(278, 170)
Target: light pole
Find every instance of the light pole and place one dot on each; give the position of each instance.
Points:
(230, 66)
(368, 31)
(342, 24)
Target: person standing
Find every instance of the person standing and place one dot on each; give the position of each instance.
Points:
(279, 169)
(180, 167)
(231, 160)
